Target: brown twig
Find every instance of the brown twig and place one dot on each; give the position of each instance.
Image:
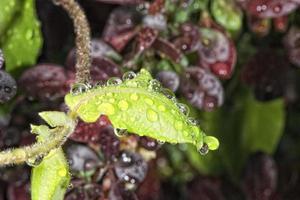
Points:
(83, 40)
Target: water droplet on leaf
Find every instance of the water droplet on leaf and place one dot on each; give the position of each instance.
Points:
(128, 75)
(183, 108)
(114, 81)
(193, 121)
(152, 115)
(120, 132)
(154, 85)
(33, 162)
(204, 149)
(168, 93)
(78, 88)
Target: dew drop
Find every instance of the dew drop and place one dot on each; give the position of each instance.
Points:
(78, 88)
(126, 159)
(168, 93)
(160, 142)
(154, 85)
(184, 109)
(107, 107)
(114, 81)
(134, 97)
(149, 101)
(128, 75)
(33, 162)
(29, 34)
(152, 115)
(62, 172)
(120, 132)
(162, 108)
(193, 121)
(123, 105)
(204, 149)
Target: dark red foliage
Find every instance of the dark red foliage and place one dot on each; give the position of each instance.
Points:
(122, 2)
(118, 192)
(88, 191)
(266, 72)
(169, 79)
(167, 48)
(281, 23)
(82, 158)
(8, 87)
(45, 81)
(131, 168)
(260, 177)
(145, 38)
(292, 45)
(150, 187)
(156, 6)
(90, 132)
(271, 8)
(216, 52)
(109, 143)
(18, 191)
(120, 27)
(260, 26)
(205, 188)
(148, 143)
(201, 88)
(102, 67)
(189, 38)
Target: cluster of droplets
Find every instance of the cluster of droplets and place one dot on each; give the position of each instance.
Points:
(153, 86)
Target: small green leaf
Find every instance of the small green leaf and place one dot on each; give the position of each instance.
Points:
(141, 106)
(228, 15)
(8, 10)
(22, 40)
(263, 125)
(50, 178)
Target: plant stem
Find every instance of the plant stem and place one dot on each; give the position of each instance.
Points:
(82, 40)
(37, 150)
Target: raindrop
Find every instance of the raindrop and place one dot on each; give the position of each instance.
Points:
(78, 88)
(114, 81)
(160, 142)
(154, 85)
(204, 149)
(29, 34)
(126, 159)
(193, 121)
(33, 162)
(183, 108)
(128, 75)
(152, 115)
(120, 132)
(168, 93)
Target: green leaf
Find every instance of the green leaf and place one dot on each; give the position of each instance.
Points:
(228, 15)
(263, 125)
(50, 179)
(140, 106)
(8, 10)
(22, 40)
(53, 169)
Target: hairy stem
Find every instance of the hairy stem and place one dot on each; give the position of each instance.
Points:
(83, 40)
(37, 150)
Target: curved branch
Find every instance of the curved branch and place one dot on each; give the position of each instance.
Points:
(83, 40)
(38, 150)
